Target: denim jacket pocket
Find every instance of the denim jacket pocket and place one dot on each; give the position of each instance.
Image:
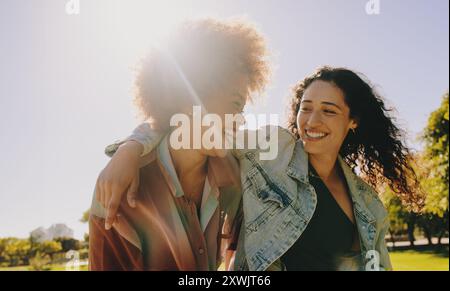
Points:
(264, 197)
(267, 190)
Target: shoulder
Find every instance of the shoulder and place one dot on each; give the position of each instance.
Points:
(267, 138)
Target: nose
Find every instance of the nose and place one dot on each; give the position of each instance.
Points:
(314, 119)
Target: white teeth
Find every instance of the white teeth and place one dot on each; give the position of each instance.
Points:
(315, 134)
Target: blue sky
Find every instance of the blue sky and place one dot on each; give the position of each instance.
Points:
(66, 80)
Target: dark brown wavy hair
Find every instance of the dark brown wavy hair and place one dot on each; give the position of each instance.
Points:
(377, 147)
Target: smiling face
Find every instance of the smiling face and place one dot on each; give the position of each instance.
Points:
(229, 99)
(324, 118)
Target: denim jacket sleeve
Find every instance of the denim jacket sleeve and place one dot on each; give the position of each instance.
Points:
(149, 139)
(143, 134)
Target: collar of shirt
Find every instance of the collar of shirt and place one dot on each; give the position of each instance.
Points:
(210, 196)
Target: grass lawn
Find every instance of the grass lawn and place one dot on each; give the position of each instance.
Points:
(19, 268)
(401, 261)
(419, 261)
(53, 268)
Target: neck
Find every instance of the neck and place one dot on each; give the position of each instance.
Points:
(191, 169)
(188, 161)
(324, 164)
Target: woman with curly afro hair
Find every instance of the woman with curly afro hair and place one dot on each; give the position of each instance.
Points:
(182, 201)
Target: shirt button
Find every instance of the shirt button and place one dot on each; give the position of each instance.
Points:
(201, 251)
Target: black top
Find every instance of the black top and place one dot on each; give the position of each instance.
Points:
(328, 235)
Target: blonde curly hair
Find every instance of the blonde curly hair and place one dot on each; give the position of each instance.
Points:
(200, 57)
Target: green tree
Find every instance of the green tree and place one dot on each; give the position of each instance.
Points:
(40, 262)
(433, 176)
(17, 251)
(85, 217)
(49, 248)
(68, 244)
(3, 258)
(435, 172)
(401, 220)
(435, 137)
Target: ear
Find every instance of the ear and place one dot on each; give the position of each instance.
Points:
(354, 123)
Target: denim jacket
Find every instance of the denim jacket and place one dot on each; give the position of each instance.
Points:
(279, 202)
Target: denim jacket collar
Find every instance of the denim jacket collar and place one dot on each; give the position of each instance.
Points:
(365, 219)
(298, 166)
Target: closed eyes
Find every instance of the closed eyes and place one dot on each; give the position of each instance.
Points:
(326, 111)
